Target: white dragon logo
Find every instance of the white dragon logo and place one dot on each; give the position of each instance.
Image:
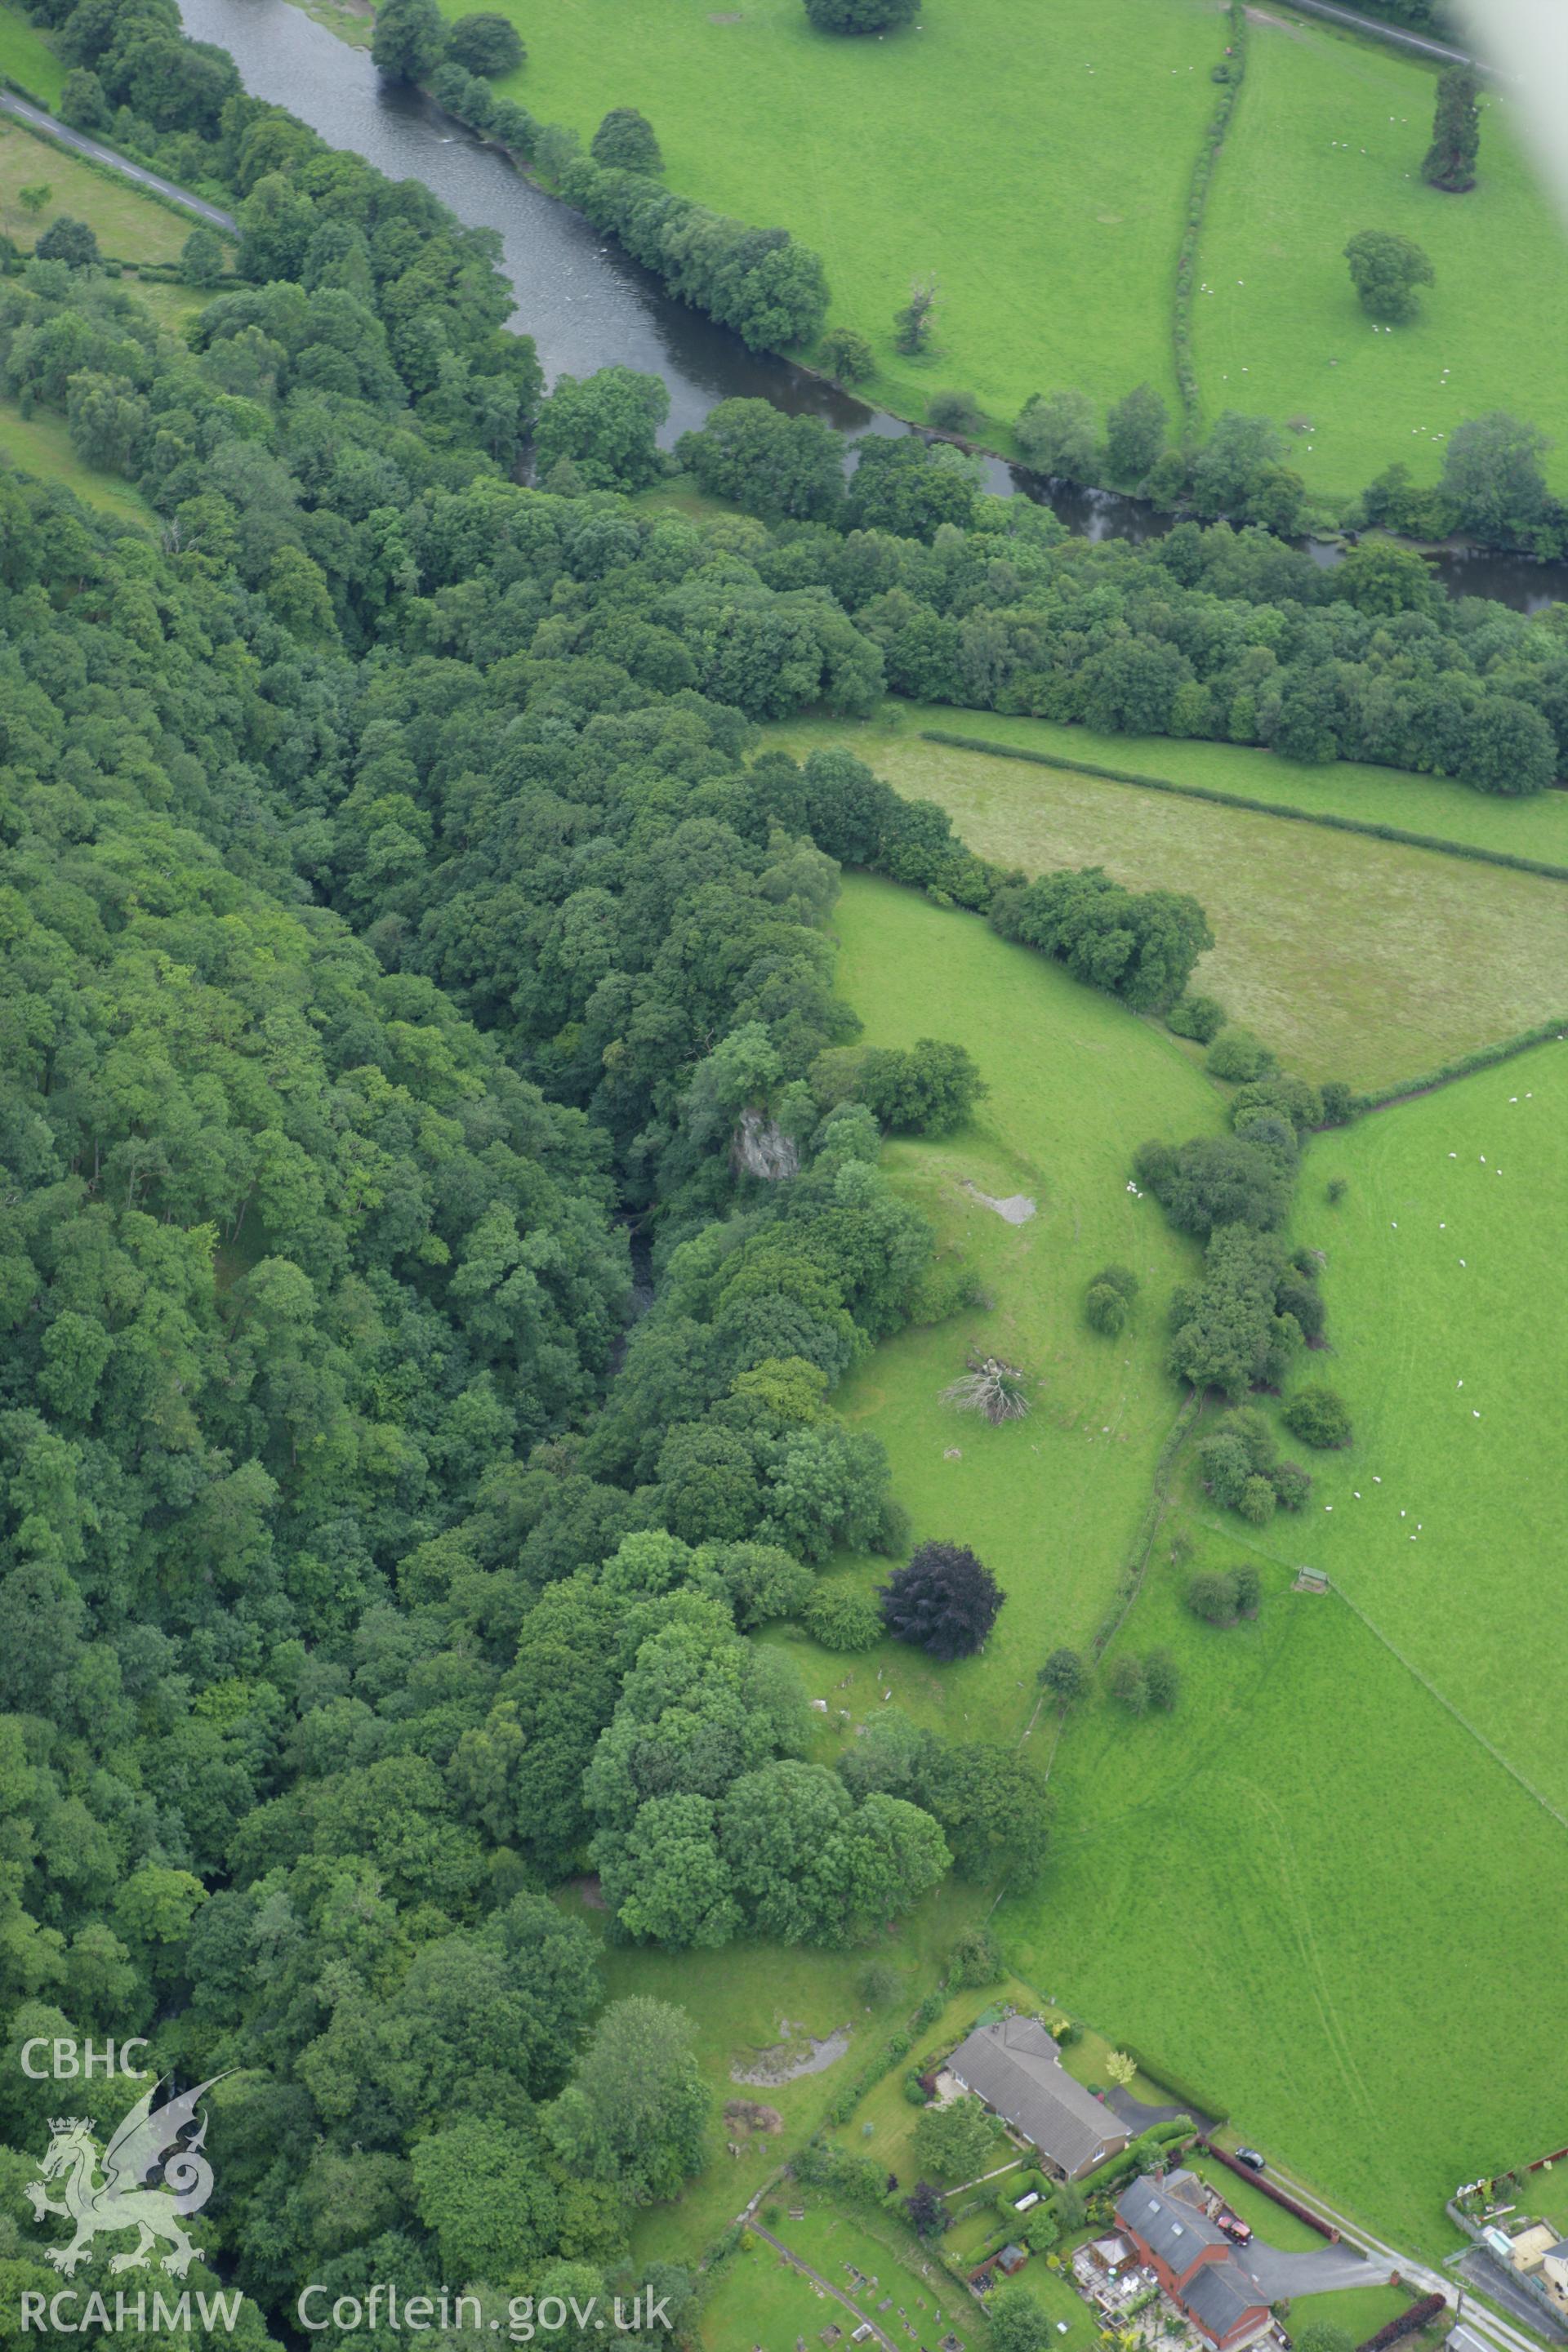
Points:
(146, 2141)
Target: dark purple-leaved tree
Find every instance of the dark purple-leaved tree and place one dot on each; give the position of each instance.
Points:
(945, 1601)
(928, 2214)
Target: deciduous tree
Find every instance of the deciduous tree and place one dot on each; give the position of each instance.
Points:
(945, 1601)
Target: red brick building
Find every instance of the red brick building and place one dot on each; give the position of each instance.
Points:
(1192, 2259)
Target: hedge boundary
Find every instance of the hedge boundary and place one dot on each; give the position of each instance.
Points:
(1278, 2196)
(1137, 1568)
(1485, 1057)
(1415, 2316)
(842, 2106)
(1197, 199)
(1168, 2080)
(1504, 857)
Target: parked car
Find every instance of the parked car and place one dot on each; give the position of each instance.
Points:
(1251, 2156)
(1237, 2231)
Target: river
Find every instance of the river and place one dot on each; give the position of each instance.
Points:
(588, 305)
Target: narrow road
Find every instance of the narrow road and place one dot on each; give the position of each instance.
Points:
(1394, 35)
(829, 2288)
(1489, 2277)
(36, 119)
(1499, 2333)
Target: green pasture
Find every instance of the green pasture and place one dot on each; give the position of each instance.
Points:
(1052, 1504)
(1473, 1474)
(1305, 1890)
(1436, 805)
(1351, 1823)
(1354, 958)
(128, 226)
(1282, 330)
(1037, 160)
(1037, 164)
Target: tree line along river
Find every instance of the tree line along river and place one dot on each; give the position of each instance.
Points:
(588, 305)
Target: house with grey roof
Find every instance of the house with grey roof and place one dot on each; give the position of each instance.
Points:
(1192, 2259)
(1016, 2068)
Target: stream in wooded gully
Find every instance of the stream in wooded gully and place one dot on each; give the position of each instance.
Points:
(588, 305)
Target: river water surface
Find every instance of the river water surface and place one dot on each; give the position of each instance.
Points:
(588, 305)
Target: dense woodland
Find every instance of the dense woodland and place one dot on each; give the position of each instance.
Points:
(395, 911)
(400, 908)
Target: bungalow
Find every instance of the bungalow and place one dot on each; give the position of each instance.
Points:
(1554, 2273)
(1016, 2068)
(1190, 2258)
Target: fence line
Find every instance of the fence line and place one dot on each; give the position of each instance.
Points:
(1444, 1701)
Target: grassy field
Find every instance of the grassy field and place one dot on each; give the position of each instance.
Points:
(1437, 805)
(1098, 115)
(1297, 1891)
(1282, 330)
(1036, 161)
(128, 226)
(1356, 959)
(1477, 1469)
(1051, 1504)
(1338, 1837)
(27, 58)
(40, 445)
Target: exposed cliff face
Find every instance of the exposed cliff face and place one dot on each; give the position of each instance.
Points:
(761, 1148)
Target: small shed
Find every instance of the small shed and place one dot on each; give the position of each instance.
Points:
(1011, 2259)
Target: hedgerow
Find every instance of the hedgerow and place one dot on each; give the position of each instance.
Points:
(1324, 817)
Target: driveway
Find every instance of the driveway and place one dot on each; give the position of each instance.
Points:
(1277, 2276)
(1138, 2116)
